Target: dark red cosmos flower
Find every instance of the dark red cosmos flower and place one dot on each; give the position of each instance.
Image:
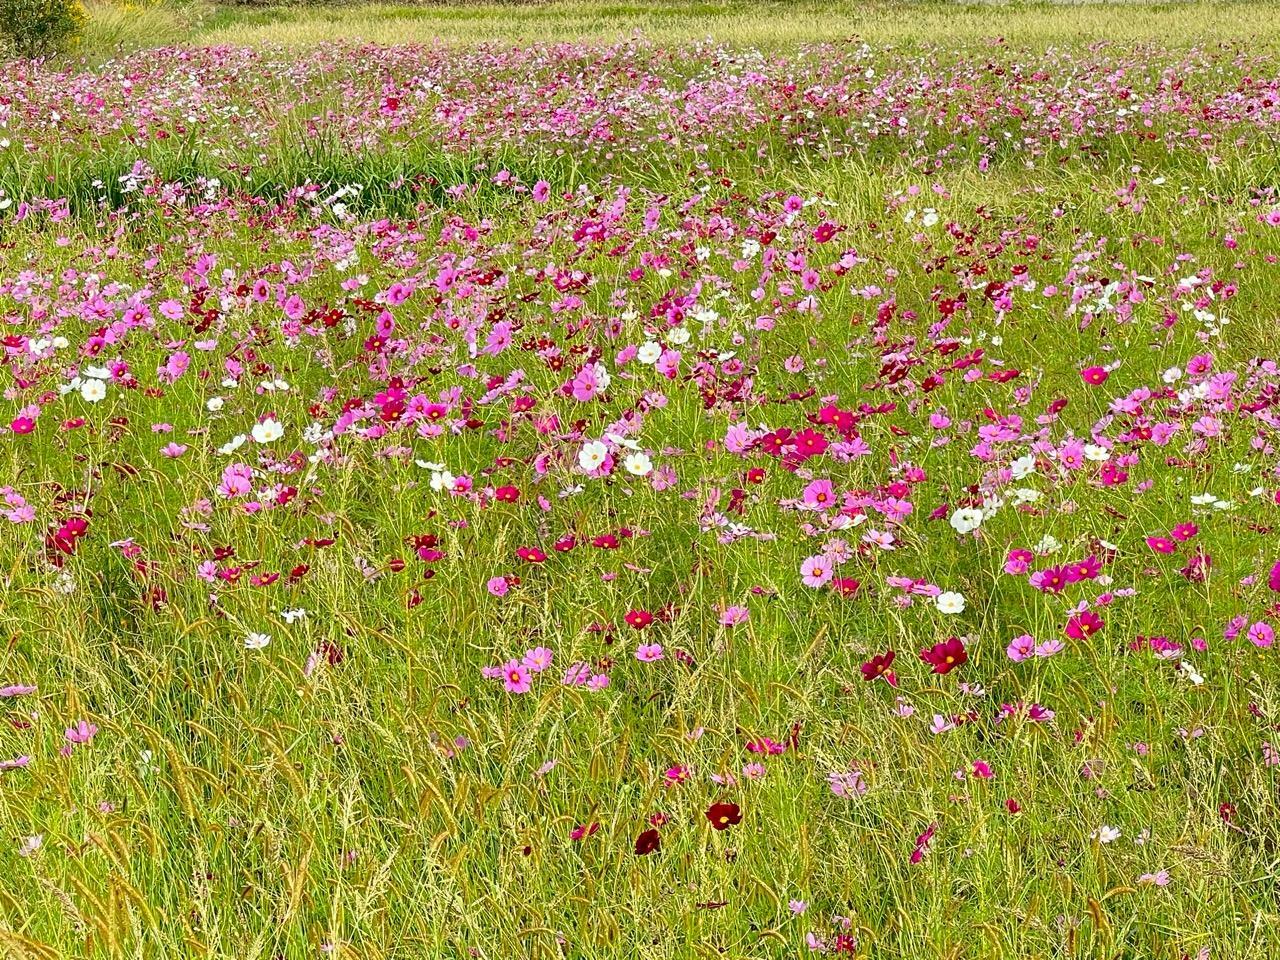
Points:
(724, 815)
(639, 619)
(584, 830)
(531, 554)
(648, 842)
(878, 666)
(68, 534)
(845, 586)
(923, 842)
(809, 443)
(1274, 580)
(507, 494)
(946, 656)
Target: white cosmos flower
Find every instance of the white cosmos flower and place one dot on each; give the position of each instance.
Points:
(93, 390)
(96, 373)
(267, 431)
(1096, 453)
(293, 616)
(966, 520)
(442, 481)
(950, 602)
(256, 641)
(678, 336)
(620, 441)
(638, 464)
(1023, 467)
(214, 404)
(232, 445)
(649, 353)
(1105, 834)
(1048, 544)
(592, 455)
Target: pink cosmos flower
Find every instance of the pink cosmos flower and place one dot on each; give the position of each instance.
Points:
(815, 571)
(649, 652)
(1021, 647)
(1262, 634)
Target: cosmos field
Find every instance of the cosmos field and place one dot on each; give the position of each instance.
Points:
(641, 499)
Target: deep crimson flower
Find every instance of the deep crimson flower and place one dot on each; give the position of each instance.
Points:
(648, 842)
(531, 554)
(584, 830)
(878, 666)
(724, 815)
(845, 586)
(639, 619)
(507, 494)
(946, 656)
(1274, 580)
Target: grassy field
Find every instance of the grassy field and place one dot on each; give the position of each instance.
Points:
(771, 25)
(598, 481)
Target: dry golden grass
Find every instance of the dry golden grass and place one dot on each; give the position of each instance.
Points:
(764, 24)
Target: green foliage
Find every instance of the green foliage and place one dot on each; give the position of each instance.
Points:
(41, 28)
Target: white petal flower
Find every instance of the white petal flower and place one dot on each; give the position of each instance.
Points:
(638, 464)
(966, 520)
(591, 455)
(267, 431)
(93, 390)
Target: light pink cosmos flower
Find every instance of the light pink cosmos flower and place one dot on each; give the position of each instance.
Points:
(815, 571)
(537, 659)
(1021, 647)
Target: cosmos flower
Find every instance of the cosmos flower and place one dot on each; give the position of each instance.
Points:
(946, 655)
(724, 815)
